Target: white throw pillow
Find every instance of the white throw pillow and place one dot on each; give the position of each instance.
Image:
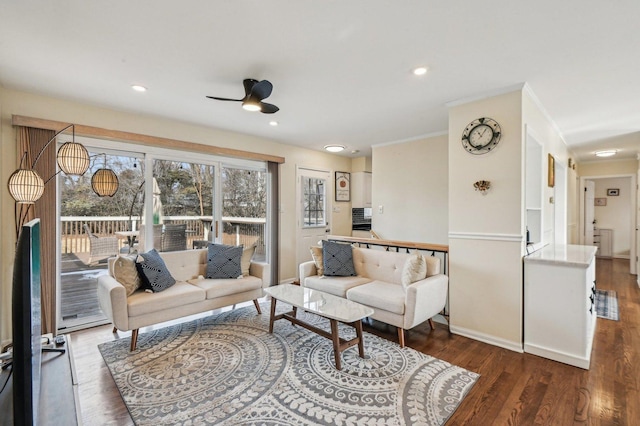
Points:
(415, 269)
(245, 261)
(126, 273)
(316, 254)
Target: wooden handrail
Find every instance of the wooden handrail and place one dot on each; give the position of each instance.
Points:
(392, 243)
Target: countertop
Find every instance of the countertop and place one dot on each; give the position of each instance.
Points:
(564, 255)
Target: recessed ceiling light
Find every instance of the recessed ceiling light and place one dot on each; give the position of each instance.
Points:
(420, 71)
(273, 123)
(607, 153)
(334, 148)
(139, 88)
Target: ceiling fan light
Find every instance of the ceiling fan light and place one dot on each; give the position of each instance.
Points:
(104, 183)
(26, 186)
(334, 148)
(73, 158)
(607, 153)
(251, 106)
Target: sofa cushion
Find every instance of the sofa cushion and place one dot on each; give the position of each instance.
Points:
(337, 259)
(415, 269)
(379, 295)
(225, 287)
(154, 274)
(316, 254)
(245, 261)
(337, 286)
(224, 261)
(180, 294)
(126, 273)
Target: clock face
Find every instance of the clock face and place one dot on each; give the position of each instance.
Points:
(481, 135)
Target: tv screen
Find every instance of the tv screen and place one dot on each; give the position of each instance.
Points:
(26, 326)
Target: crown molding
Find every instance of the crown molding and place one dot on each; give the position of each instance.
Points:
(486, 95)
(411, 139)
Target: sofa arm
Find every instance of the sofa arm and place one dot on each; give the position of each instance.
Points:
(112, 298)
(261, 270)
(307, 269)
(424, 299)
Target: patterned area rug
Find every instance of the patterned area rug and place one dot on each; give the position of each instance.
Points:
(607, 304)
(227, 369)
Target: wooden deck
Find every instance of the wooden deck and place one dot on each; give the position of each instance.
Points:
(78, 284)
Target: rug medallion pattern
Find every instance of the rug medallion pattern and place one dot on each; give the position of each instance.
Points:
(228, 370)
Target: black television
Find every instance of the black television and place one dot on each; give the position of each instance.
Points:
(26, 326)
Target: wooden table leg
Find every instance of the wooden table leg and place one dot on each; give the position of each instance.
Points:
(335, 338)
(358, 327)
(273, 314)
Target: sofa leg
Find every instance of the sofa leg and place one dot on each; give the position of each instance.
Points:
(134, 339)
(401, 337)
(433, 327)
(115, 329)
(257, 305)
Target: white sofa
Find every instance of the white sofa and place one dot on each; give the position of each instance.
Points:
(378, 284)
(191, 294)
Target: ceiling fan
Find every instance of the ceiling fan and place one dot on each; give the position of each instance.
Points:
(254, 92)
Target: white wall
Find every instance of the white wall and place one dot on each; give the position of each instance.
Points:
(409, 181)
(20, 103)
(616, 215)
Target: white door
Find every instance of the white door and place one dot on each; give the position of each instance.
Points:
(589, 195)
(314, 205)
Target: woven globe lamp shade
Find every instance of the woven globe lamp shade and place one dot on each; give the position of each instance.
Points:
(26, 186)
(73, 158)
(104, 183)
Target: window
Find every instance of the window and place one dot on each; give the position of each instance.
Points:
(313, 193)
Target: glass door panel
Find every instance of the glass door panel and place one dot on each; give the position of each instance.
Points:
(92, 229)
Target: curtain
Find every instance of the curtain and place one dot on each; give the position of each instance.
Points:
(31, 141)
(273, 213)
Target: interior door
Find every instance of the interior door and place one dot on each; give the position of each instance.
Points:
(589, 215)
(314, 205)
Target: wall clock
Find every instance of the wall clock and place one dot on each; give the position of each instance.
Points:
(481, 135)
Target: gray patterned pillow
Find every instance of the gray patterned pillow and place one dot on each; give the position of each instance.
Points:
(337, 259)
(153, 272)
(224, 261)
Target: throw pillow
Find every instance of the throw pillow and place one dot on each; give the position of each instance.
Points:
(126, 273)
(316, 254)
(337, 259)
(245, 262)
(153, 272)
(224, 261)
(415, 269)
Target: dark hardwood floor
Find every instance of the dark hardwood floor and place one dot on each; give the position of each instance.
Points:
(514, 388)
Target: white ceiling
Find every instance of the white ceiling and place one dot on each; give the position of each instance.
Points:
(341, 70)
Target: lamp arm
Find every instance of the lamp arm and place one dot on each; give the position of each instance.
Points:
(51, 140)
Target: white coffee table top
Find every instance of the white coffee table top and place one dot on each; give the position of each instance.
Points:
(317, 302)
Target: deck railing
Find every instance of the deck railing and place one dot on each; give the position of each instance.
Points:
(236, 230)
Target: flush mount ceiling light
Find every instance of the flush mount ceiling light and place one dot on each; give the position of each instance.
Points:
(420, 71)
(139, 88)
(334, 148)
(607, 153)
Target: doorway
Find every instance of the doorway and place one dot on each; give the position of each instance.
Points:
(614, 210)
(313, 204)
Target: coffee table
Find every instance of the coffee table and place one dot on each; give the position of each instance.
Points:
(335, 309)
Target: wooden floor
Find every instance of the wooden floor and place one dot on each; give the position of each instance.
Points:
(514, 388)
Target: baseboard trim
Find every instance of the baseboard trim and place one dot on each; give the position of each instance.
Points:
(563, 357)
(486, 338)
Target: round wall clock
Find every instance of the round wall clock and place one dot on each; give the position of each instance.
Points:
(481, 135)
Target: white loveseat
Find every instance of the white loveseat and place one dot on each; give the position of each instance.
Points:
(191, 294)
(378, 284)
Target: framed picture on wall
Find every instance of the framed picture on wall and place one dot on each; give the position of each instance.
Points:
(551, 176)
(343, 186)
(613, 192)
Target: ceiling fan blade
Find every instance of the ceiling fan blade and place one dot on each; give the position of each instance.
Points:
(268, 108)
(262, 89)
(248, 84)
(224, 99)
